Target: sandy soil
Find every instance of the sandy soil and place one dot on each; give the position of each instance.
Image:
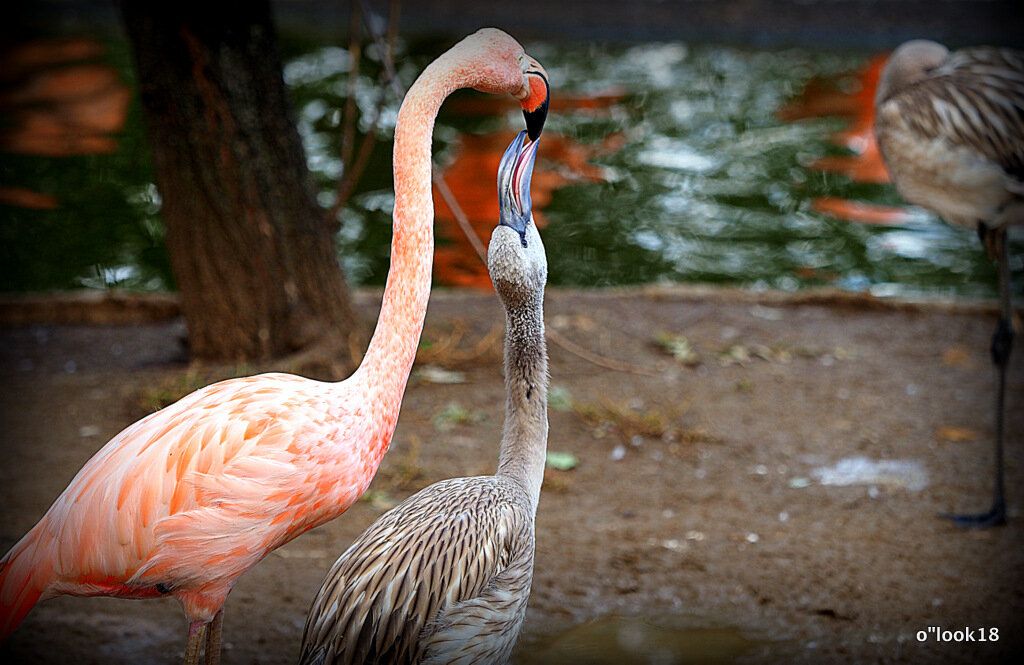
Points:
(694, 504)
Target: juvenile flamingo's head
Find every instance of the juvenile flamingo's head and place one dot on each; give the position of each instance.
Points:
(515, 209)
(515, 257)
(518, 273)
(911, 62)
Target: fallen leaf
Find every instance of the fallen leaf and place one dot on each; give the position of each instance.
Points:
(957, 434)
(679, 347)
(957, 356)
(559, 398)
(737, 354)
(379, 500)
(766, 313)
(561, 461)
(771, 355)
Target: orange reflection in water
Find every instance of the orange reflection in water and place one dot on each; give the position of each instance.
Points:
(23, 197)
(856, 211)
(55, 105)
(826, 98)
(471, 178)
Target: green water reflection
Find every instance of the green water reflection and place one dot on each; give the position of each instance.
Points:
(710, 185)
(107, 230)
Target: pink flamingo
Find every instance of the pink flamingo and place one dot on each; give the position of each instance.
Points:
(187, 499)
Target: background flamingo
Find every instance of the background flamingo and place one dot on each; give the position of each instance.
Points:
(950, 127)
(187, 499)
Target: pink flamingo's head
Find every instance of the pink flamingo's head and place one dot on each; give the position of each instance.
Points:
(535, 102)
(507, 69)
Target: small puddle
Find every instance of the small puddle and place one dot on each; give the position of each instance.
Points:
(633, 640)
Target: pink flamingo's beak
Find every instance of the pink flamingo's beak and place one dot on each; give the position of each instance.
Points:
(535, 103)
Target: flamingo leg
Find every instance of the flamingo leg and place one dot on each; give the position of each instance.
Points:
(213, 633)
(196, 633)
(1002, 344)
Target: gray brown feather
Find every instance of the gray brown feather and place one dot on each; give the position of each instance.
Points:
(950, 127)
(445, 576)
(439, 548)
(975, 99)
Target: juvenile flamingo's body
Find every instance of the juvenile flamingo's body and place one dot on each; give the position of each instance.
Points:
(444, 577)
(950, 126)
(187, 499)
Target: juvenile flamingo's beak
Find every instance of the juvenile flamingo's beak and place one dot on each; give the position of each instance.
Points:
(535, 103)
(514, 175)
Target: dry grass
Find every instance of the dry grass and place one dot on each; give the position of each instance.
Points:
(173, 387)
(170, 389)
(454, 415)
(402, 471)
(558, 481)
(626, 422)
(452, 347)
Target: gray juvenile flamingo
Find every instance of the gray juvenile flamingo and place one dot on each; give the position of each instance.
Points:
(445, 576)
(950, 127)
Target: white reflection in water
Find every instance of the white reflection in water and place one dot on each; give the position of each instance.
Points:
(676, 155)
(317, 66)
(910, 244)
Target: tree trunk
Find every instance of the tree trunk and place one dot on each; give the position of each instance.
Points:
(253, 258)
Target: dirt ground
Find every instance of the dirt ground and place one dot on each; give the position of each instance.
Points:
(694, 509)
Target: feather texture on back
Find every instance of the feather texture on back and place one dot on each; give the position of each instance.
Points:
(197, 493)
(399, 587)
(951, 129)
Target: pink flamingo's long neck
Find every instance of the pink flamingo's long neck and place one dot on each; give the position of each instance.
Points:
(385, 368)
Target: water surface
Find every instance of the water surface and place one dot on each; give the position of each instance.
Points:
(704, 182)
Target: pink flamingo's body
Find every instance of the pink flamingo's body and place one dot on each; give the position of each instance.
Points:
(187, 499)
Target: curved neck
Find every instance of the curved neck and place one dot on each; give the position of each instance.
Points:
(389, 357)
(524, 442)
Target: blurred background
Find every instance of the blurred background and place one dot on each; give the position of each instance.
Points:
(726, 142)
(749, 470)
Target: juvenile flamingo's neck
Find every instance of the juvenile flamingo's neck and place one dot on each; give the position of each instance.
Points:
(525, 437)
(385, 368)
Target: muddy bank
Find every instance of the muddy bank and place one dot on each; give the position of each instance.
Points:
(699, 500)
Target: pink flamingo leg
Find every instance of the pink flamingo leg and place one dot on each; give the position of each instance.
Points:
(213, 633)
(196, 632)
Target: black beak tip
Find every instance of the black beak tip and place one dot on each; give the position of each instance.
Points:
(535, 120)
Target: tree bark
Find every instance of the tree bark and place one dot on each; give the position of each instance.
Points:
(254, 261)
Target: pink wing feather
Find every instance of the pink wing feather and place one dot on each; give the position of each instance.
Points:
(194, 495)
